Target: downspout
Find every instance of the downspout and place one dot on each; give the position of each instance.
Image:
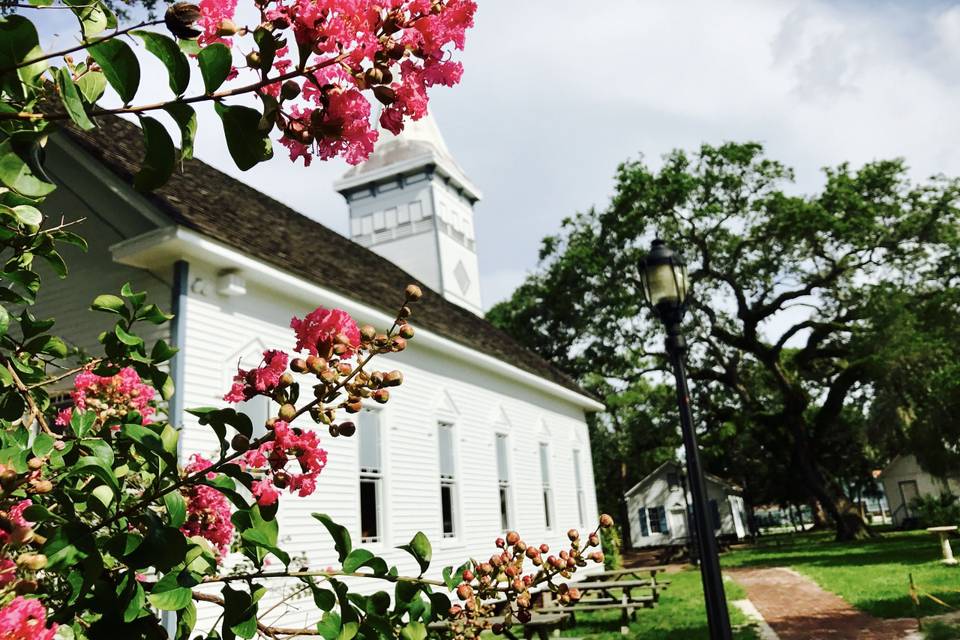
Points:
(178, 304)
(178, 331)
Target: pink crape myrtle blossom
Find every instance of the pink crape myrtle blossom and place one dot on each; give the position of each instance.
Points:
(324, 332)
(260, 381)
(212, 15)
(289, 444)
(208, 510)
(110, 396)
(395, 50)
(24, 619)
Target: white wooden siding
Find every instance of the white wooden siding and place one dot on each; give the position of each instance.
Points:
(435, 388)
(94, 272)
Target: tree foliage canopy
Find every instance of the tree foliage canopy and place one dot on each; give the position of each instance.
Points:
(803, 313)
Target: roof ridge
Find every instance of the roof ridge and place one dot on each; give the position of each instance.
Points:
(241, 219)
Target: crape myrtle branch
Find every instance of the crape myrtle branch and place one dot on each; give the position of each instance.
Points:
(82, 45)
(219, 95)
(411, 295)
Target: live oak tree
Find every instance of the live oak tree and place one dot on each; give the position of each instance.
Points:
(791, 297)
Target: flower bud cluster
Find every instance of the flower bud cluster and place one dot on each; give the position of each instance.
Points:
(503, 585)
(334, 353)
(19, 564)
(111, 398)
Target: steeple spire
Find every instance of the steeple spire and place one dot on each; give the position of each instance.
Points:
(413, 204)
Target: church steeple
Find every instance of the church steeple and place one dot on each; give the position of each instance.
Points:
(412, 203)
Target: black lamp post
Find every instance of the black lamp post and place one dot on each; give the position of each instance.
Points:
(664, 277)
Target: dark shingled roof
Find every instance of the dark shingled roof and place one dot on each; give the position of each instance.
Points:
(212, 203)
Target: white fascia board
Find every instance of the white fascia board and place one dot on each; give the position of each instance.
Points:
(166, 245)
(443, 165)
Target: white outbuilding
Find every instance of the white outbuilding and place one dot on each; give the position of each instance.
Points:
(483, 436)
(904, 481)
(659, 508)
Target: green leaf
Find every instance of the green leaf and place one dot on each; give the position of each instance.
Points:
(17, 174)
(70, 97)
(81, 422)
(176, 508)
(4, 321)
(248, 146)
(120, 66)
(330, 625)
(414, 631)
(356, 559)
(164, 48)
(215, 63)
(172, 600)
(160, 159)
(135, 605)
(30, 216)
(109, 304)
(186, 118)
(92, 84)
(42, 444)
(93, 15)
(89, 465)
(419, 547)
(50, 345)
(19, 42)
(127, 338)
(339, 533)
(162, 352)
(267, 45)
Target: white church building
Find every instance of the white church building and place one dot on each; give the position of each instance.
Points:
(483, 436)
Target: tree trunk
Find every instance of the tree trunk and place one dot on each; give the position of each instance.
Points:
(817, 514)
(848, 523)
(626, 543)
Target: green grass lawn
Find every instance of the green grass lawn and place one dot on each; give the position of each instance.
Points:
(680, 615)
(872, 575)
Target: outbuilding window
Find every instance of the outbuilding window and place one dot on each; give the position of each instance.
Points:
(658, 520)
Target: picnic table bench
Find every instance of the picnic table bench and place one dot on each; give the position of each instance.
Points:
(541, 624)
(597, 595)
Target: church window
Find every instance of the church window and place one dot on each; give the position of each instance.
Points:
(416, 210)
(448, 480)
(379, 221)
(545, 480)
(403, 214)
(503, 482)
(366, 225)
(578, 479)
(371, 477)
(391, 217)
(356, 226)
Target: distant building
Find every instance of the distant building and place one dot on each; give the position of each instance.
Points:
(658, 508)
(904, 481)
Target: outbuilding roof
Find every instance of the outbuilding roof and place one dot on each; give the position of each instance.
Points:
(225, 209)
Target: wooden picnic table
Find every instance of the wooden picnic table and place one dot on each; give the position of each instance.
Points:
(541, 624)
(617, 574)
(610, 594)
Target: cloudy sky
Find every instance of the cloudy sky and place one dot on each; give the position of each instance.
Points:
(556, 94)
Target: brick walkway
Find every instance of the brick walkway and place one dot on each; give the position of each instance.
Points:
(798, 609)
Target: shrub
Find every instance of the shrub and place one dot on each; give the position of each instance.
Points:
(933, 511)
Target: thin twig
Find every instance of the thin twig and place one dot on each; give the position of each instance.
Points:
(82, 45)
(66, 374)
(25, 115)
(31, 405)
